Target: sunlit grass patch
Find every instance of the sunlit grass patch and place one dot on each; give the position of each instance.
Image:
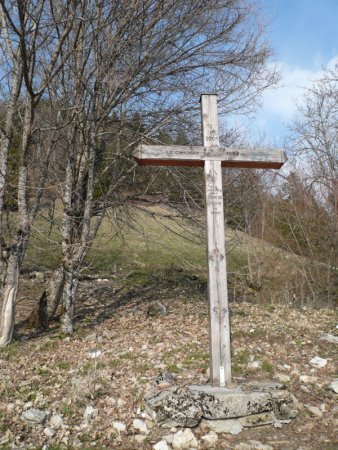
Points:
(64, 365)
(144, 242)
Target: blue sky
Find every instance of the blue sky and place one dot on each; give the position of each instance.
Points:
(304, 35)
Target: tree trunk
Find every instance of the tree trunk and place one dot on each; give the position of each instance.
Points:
(5, 142)
(54, 291)
(19, 244)
(69, 293)
(8, 301)
(50, 299)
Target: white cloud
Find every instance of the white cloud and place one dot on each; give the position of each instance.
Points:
(281, 101)
(279, 105)
(333, 62)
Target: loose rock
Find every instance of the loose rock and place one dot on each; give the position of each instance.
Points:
(49, 432)
(280, 423)
(140, 425)
(90, 337)
(210, 438)
(314, 410)
(230, 426)
(157, 309)
(333, 386)
(161, 445)
(169, 438)
(34, 416)
(27, 405)
(166, 377)
(90, 413)
(282, 377)
(254, 365)
(318, 362)
(329, 338)
(307, 379)
(56, 421)
(184, 439)
(140, 438)
(119, 426)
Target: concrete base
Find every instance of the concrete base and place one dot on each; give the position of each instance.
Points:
(187, 406)
(243, 387)
(208, 389)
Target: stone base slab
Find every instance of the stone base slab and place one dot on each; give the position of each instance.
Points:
(187, 406)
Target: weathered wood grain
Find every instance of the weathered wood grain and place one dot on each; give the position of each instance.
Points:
(219, 329)
(188, 155)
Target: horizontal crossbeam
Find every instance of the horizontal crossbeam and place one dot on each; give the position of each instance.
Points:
(186, 155)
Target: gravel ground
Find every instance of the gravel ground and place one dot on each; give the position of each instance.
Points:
(88, 383)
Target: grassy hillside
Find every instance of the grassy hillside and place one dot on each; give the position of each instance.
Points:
(141, 243)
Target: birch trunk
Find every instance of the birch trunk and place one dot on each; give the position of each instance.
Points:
(11, 284)
(5, 141)
(19, 244)
(8, 301)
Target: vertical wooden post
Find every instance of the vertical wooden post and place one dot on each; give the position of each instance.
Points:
(219, 328)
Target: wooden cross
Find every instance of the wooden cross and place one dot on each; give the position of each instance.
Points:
(213, 157)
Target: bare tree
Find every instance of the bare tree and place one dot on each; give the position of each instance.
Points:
(315, 134)
(150, 60)
(315, 142)
(33, 36)
(113, 73)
